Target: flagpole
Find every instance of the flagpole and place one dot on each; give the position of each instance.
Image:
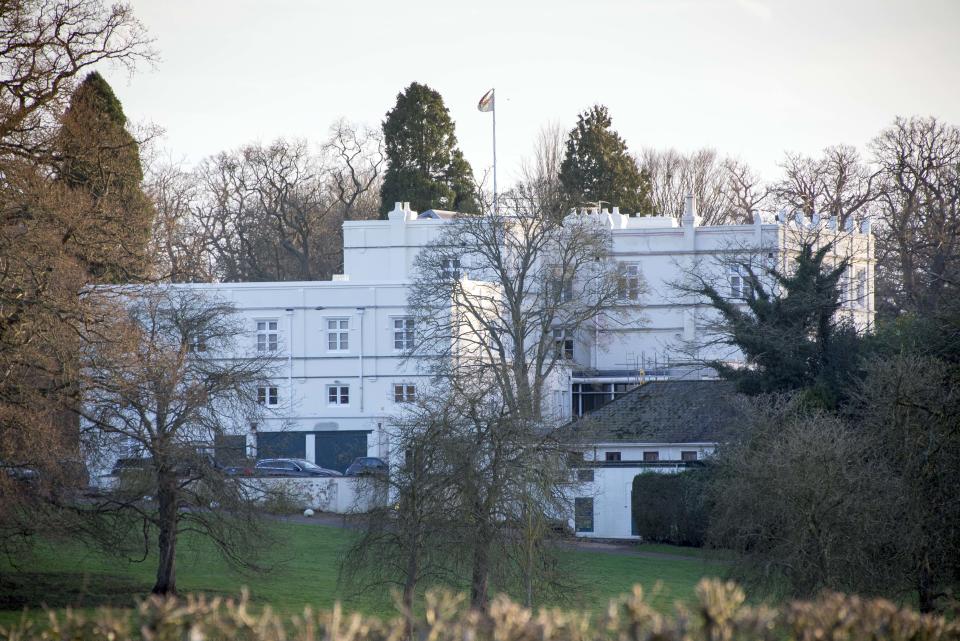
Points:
(495, 210)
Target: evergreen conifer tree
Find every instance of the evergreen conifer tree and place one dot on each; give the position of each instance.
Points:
(425, 167)
(100, 161)
(791, 339)
(598, 167)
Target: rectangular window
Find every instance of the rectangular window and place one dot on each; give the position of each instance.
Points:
(338, 394)
(563, 344)
(860, 297)
(583, 514)
(402, 334)
(587, 397)
(404, 393)
(845, 286)
(450, 269)
(688, 455)
(585, 476)
(268, 336)
(269, 396)
(338, 334)
(630, 285)
(197, 344)
(739, 282)
(650, 457)
(559, 285)
(612, 456)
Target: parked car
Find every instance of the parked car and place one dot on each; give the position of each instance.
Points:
(292, 467)
(367, 465)
(136, 464)
(21, 473)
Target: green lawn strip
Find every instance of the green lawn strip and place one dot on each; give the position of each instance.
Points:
(676, 550)
(665, 581)
(305, 562)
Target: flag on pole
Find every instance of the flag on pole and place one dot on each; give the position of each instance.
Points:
(486, 103)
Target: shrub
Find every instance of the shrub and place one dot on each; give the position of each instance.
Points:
(671, 508)
(720, 616)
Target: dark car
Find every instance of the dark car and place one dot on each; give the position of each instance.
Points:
(367, 465)
(137, 464)
(194, 466)
(21, 473)
(293, 467)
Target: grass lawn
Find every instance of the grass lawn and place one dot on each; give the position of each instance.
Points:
(304, 572)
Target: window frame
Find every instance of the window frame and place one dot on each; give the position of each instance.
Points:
(342, 334)
(632, 276)
(580, 519)
(860, 288)
(558, 286)
(586, 475)
(613, 456)
(565, 336)
(408, 393)
(267, 333)
(685, 455)
(651, 456)
(451, 269)
(405, 331)
(268, 395)
(337, 399)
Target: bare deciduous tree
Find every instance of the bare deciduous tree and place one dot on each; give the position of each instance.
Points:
(838, 184)
(489, 294)
(161, 380)
(45, 46)
(918, 235)
(273, 212)
(801, 498)
(409, 542)
(489, 299)
(539, 186)
(727, 191)
(177, 249)
(746, 192)
(909, 409)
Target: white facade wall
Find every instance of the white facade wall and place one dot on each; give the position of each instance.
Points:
(338, 495)
(612, 486)
(372, 294)
(665, 322)
(364, 358)
(655, 334)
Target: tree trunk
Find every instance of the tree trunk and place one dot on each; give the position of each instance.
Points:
(481, 575)
(924, 589)
(167, 504)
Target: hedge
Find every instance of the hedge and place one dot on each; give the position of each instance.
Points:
(721, 615)
(671, 508)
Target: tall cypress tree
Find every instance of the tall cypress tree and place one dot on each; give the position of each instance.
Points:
(100, 162)
(598, 167)
(424, 165)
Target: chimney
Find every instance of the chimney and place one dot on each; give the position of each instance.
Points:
(689, 211)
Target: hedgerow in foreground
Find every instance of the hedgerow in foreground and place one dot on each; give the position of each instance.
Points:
(720, 615)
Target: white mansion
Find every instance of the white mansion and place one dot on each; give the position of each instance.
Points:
(340, 344)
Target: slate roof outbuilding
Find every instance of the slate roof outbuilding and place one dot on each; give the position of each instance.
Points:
(673, 411)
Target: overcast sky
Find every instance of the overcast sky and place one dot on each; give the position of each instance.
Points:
(750, 78)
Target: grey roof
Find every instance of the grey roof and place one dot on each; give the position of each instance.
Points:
(665, 412)
(441, 214)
